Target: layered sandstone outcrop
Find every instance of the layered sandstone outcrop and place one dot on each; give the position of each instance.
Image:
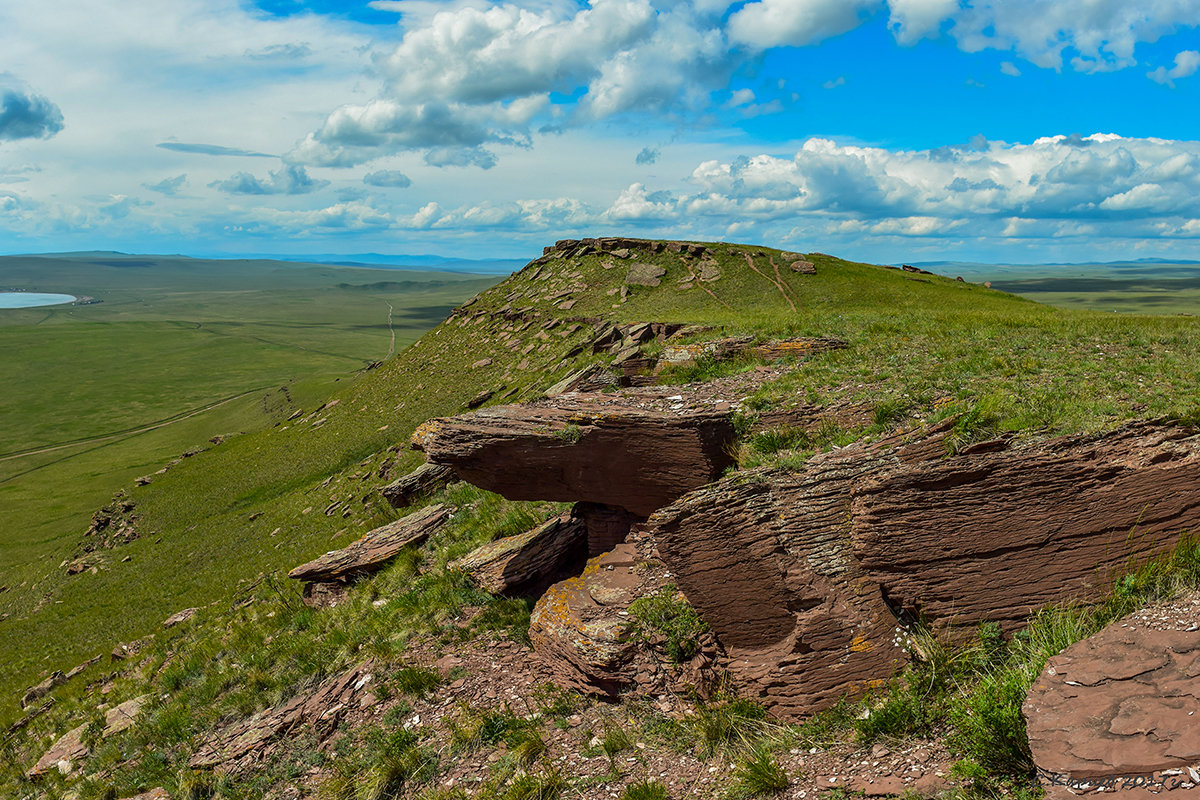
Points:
(585, 448)
(529, 562)
(766, 559)
(804, 576)
(325, 577)
(995, 535)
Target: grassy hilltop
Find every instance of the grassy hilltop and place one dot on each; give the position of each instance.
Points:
(222, 526)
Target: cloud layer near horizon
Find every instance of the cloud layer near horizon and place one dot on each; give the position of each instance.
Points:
(507, 122)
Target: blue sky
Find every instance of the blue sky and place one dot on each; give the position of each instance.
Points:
(886, 130)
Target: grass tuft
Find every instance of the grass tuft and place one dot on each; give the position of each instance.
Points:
(758, 774)
(668, 616)
(644, 790)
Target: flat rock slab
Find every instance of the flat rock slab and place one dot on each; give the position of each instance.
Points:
(583, 448)
(528, 562)
(371, 552)
(179, 617)
(425, 479)
(69, 750)
(1122, 708)
(322, 708)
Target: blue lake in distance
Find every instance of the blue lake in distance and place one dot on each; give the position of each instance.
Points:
(32, 299)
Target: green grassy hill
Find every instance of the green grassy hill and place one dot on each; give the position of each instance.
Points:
(921, 347)
(177, 351)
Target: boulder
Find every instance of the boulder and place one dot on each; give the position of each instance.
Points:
(1119, 709)
(641, 274)
(127, 650)
(579, 630)
(180, 617)
(44, 688)
(425, 479)
(66, 753)
(374, 550)
(529, 562)
(594, 448)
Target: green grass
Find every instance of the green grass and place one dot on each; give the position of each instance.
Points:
(101, 394)
(644, 790)
(220, 527)
(758, 774)
(667, 616)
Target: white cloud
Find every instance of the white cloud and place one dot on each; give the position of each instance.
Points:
(770, 23)
(1186, 63)
(912, 20)
(1101, 34)
(636, 204)
(468, 75)
(288, 179)
(1010, 69)
(351, 217)
(1103, 184)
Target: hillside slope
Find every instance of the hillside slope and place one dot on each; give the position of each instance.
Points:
(224, 523)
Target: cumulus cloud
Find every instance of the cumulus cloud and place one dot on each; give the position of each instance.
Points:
(1096, 36)
(344, 217)
(211, 149)
(1010, 69)
(1186, 63)
(24, 115)
(770, 23)
(473, 74)
(1092, 35)
(168, 186)
(470, 75)
(521, 215)
(390, 178)
(289, 179)
(912, 20)
(1103, 183)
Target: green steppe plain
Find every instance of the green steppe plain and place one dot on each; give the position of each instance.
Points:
(178, 351)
